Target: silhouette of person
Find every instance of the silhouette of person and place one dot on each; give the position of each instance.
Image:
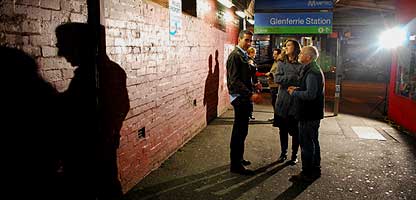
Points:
(211, 89)
(113, 108)
(96, 103)
(29, 111)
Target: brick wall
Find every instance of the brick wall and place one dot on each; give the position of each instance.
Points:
(166, 81)
(30, 25)
(166, 78)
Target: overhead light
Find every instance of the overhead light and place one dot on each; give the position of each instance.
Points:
(251, 21)
(240, 13)
(226, 3)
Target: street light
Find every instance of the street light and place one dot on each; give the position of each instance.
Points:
(392, 38)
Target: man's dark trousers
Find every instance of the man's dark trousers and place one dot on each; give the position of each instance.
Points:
(309, 143)
(240, 129)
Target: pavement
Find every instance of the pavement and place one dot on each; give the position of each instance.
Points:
(352, 167)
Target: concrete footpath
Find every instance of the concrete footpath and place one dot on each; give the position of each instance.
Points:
(352, 167)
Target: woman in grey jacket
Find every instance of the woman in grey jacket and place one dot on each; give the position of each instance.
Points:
(285, 109)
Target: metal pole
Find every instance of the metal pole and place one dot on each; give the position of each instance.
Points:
(338, 77)
(93, 7)
(386, 92)
(95, 19)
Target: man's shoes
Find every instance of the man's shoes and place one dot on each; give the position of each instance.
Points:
(305, 177)
(245, 162)
(282, 158)
(241, 170)
(293, 161)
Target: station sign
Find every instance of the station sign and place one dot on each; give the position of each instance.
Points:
(293, 4)
(293, 23)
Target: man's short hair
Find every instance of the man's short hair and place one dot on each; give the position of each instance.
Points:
(278, 50)
(243, 32)
(311, 51)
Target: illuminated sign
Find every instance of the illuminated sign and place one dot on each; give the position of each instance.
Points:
(293, 23)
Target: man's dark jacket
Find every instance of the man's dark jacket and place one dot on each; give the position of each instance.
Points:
(238, 74)
(311, 109)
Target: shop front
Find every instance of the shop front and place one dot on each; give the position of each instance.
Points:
(402, 87)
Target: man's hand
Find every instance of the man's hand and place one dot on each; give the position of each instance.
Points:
(291, 89)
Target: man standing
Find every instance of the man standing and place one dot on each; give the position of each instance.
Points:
(310, 96)
(240, 89)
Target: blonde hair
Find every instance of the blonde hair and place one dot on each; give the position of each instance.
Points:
(251, 50)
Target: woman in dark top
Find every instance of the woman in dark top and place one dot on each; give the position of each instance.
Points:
(287, 74)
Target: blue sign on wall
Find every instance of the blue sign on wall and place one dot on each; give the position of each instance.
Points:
(293, 23)
(293, 4)
(175, 21)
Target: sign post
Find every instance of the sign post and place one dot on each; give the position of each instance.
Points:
(338, 77)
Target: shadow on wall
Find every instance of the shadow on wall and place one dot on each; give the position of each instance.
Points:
(95, 105)
(31, 139)
(211, 89)
(63, 145)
